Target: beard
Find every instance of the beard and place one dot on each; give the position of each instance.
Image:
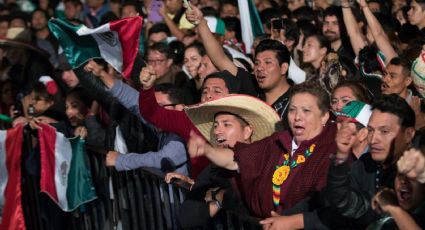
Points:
(332, 36)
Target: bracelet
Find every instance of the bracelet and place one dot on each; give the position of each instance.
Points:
(346, 7)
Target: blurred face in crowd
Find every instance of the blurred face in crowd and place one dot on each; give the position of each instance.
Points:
(75, 110)
(94, 4)
(17, 22)
(416, 15)
(157, 37)
(71, 10)
(375, 7)
(6, 93)
(164, 101)
(192, 61)
(312, 52)
(305, 118)
(395, 81)
(173, 6)
(16, 55)
(40, 104)
(330, 28)
(385, 135)
(320, 4)
(159, 62)
(207, 67)
(410, 193)
(128, 11)
(267, 70)
(295, 4)
(229, 129)
(4, 25)
(38, 21)
(69, 78)
(214, 88)
(340, 97)
(229, 10)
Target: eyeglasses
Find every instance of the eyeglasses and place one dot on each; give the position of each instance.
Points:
(156, 62)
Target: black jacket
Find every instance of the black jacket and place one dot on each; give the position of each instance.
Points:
(349, 190)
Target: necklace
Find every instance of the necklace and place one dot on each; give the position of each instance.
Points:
(282, 171)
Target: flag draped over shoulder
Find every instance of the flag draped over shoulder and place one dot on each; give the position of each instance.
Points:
(250, 23)
(65, 176)
(10, 179)
(117, 42)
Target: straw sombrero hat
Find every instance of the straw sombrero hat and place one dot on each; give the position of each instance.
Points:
(418, 71)
(261, 117)
(21, 38)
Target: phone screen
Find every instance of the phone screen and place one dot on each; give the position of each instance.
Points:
(154, 15)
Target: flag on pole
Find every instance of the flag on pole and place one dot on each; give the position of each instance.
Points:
(10, 179)
(250, 23)
(65, 176)
(116, 42)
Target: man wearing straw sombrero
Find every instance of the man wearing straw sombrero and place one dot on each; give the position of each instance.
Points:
(28, 63)
(224, 122)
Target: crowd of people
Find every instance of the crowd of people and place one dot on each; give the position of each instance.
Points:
(319, 125)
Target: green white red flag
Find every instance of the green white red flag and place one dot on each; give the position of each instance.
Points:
(65, 176)
(117, 42)
(10, 179)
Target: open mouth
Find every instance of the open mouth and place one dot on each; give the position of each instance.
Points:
(260, 79)
(221, 141)
(298, 130)
(404, 194)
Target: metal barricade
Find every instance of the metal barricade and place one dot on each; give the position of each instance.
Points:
(137, 199)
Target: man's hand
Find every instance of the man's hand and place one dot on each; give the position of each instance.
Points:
(194, 14)
(196, 145)
(94, 68)
(345, 137)
(147, 77)
(111, 158)
(384, 200)
(412, 164)
(80, 131)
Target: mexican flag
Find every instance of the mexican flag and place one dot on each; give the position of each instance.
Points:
(116, 42)
(250, 23)
(65, 176)
(10, 179)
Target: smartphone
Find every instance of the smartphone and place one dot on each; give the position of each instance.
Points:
(154, 15)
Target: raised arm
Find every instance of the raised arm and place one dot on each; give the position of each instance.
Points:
(222, 157)
(378, 33)
(353, 30)
(212, 46)
(174, 29)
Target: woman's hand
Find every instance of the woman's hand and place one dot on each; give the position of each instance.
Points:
(80, 131)
(147, 77)
(278, 222)
(174, 175)
(19, 121)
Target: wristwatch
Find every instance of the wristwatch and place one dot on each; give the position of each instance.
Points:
(218, 203)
